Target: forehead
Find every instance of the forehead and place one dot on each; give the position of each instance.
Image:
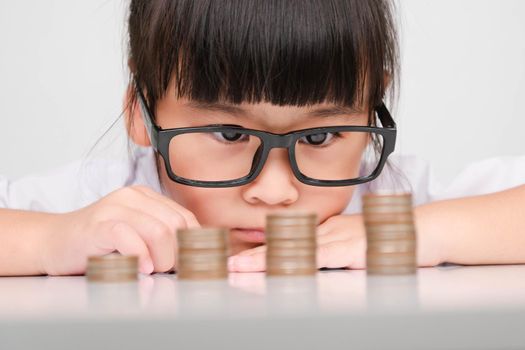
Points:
(177, 112)
(264, 115)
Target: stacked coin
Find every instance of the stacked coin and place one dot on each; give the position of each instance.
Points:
(203, 253)
(390, 234)
(112, 268)
(291, 243)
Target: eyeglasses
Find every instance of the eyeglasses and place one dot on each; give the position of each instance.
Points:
(229, 155)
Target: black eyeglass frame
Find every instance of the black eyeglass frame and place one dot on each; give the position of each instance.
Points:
(161, 138)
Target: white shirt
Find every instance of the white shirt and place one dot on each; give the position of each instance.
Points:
(83, 182)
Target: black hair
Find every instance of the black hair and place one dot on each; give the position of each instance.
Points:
(286, 52)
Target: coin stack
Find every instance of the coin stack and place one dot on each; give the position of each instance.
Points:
(113, 267)
(203, 253)
(390, 234)
(291, 243)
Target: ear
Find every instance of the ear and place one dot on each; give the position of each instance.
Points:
(133, 118)
(387, 79)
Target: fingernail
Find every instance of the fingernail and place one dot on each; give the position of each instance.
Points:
(231, 263)
(147, 267)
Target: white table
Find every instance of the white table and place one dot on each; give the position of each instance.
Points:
(449, 307)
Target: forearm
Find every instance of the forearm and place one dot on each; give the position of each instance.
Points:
(488, 229)
(22, 237)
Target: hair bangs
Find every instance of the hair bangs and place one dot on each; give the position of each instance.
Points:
(286, 52)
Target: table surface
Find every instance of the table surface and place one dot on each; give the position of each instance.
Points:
(446, 307)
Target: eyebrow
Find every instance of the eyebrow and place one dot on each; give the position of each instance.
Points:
(239, 111)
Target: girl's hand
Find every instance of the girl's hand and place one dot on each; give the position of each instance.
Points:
(132, 220)
(341, 242)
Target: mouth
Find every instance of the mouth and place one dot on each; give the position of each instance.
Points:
(249, 234)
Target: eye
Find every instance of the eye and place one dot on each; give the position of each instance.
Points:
(318, 139)
(230, 136)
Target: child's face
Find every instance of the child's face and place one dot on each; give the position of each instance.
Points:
(245, 207)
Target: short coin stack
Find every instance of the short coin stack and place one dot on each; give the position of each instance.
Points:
(390, 234)
(203, 253)
(291, 243)
(113, 267)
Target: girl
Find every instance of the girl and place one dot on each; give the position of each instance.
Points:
(241, 107)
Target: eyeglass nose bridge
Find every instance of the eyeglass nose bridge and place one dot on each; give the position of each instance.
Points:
(279, 141)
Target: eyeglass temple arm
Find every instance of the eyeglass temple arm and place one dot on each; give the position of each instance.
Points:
(152, 129)
(384, 116)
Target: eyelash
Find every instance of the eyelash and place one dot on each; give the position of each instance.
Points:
(245, 137)
(336, 135)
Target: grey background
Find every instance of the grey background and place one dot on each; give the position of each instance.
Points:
(63, 74)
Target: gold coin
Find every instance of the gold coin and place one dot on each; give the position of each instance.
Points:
(395, 227)
(390, 258)
(290, 235)
(202, 275)
(112, 277)
(184, 265)
(289, 224)
(113, 259)
(291, 218)
(189, 261)
(202, 234)
(287, 262)
(412, 239)
(112, 268)
(299, 252)
(395, 217)
(202, 231)
(291, 243)
(310, 243)
(371, 240)
(202, 252)
(278, 214)
(372, 199)
(290, 270)
(202, 255)
(391, 270)
(386, 209)
(401, 246)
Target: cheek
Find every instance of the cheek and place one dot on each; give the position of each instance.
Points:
(207, 204)
(214, 206)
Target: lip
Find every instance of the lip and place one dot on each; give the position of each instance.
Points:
(250, 234)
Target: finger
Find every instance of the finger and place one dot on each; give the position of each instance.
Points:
(247, 263)
(333, 237)
(171, 219)
(155, 208)
(333, 234)
(340, 254)
(189, 217)
(323, 229)
(123, 238)
(159, 238)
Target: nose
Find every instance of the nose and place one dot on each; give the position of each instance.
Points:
(275, 185)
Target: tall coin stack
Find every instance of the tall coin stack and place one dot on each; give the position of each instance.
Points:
(390, 234)
(203, 253)
(113, 267)
(291, 243)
